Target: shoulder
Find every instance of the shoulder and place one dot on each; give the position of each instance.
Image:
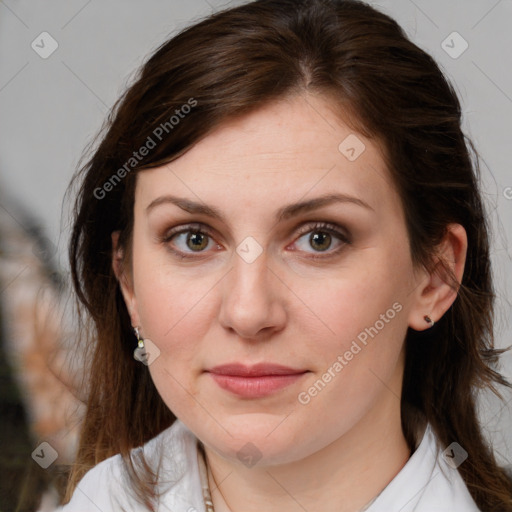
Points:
(446, 488)
(98, 488)
(429, 481)
(173, 453)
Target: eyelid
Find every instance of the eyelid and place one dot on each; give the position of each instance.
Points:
(325, 226)
(185, 228)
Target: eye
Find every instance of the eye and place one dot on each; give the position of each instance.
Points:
(321, 236)
(188, 239)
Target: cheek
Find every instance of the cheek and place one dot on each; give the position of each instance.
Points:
(175, 315)
(363, 325)
(168, 296)
(175, 312)
(353, 304)
(355, 364)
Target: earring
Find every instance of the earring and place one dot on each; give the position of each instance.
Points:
(139, 352)
(429, 321)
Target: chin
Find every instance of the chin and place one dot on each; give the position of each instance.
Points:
(256, 438)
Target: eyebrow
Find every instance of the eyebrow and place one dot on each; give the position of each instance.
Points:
(284, 213)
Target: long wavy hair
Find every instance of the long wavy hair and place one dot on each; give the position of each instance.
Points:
(230, 64)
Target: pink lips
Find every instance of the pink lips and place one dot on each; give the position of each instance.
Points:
(254, 381)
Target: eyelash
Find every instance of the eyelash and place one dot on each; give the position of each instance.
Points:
(198, 228)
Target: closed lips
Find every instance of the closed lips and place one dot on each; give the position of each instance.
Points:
(259, 370)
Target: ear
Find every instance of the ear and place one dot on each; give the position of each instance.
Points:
(435, 291)
(125, 278)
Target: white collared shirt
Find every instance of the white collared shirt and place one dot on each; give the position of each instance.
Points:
(427, 482)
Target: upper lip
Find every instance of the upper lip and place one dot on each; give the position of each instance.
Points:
(256, 370)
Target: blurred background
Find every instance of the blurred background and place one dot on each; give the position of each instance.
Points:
(63, 63)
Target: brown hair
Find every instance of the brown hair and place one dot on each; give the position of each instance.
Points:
(230, 64)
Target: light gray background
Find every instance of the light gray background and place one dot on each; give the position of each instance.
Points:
(51, 108)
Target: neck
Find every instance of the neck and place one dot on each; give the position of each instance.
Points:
(342, 477)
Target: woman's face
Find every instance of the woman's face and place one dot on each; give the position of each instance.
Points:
(325, 289)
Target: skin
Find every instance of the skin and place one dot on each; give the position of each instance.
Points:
(339, 450)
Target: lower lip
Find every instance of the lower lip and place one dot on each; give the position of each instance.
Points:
(255, 387)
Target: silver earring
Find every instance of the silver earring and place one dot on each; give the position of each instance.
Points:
(139, 352)
(429, 321)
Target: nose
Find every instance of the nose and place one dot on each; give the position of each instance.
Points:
(254, 299)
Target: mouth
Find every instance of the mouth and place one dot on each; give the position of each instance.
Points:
(255, 381)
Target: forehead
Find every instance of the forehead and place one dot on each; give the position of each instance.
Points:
(288, 150)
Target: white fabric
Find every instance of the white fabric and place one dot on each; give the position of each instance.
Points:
(425, 484)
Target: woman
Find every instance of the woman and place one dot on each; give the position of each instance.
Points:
(281, 243)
